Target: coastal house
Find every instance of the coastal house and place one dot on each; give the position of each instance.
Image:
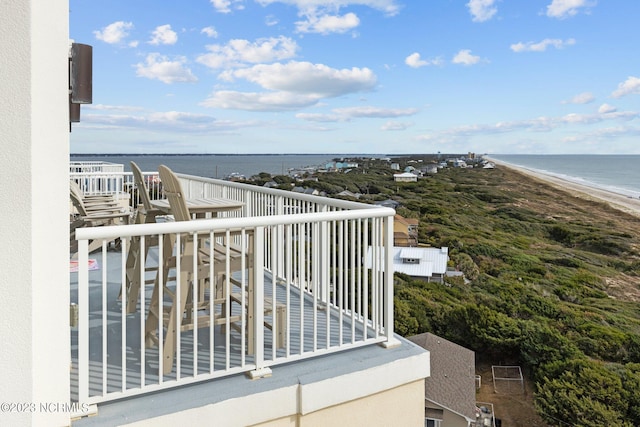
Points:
(338, 166)
(430, 169)
(450, 391)
(428, 264)
(306, 190)
(322, 359)
(347, 193)
(389, 203)
(405, 177)
(405, 231)
(459, 163)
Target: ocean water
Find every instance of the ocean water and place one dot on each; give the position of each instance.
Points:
(616, 173)
(215, 165)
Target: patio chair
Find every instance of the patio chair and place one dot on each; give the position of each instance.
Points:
(145, 214)
(95, 217)
(218, 255)
(95, 202)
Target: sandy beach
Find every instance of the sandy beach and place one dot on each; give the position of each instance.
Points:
(615, 200)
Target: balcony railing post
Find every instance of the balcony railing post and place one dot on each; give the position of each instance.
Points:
(324, 259)
(258, 304)
(83, 321)
(248, 205)
(388, 284)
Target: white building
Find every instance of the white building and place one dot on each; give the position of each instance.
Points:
(405, 177)
(422, 263)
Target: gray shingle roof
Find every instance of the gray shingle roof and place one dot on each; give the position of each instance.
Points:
(452, 380)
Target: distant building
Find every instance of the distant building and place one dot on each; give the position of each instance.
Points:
(347, 193)
(430, 169)
(405, 177)
(450, 391)
(428, 264)
(405, 231)
(395, 166)
(341, 165)
(306, 190)
(389, 203)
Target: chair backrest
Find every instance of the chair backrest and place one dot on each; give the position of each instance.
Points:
(173, 191)
(143, 191)
(76, 197)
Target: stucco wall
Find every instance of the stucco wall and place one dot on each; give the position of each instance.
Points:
(34, 279)
(401, 406)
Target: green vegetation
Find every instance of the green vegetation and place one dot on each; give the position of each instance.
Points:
(551, 280)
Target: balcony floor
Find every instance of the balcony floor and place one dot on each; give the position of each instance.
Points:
(331, 330)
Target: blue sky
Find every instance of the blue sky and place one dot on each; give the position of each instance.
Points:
(360, 76)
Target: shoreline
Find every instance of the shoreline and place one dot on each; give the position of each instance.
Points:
(618, 201)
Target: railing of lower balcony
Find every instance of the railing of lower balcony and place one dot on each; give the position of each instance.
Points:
(300, 290)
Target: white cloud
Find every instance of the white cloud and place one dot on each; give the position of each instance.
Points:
(238, 52)
(158, 67)
(172, 121)
(114, 33)
(375, 112)
(628, 87)
(581, 98)
(253, 101)
(313, 7)
(224, 6)
(290, 86)
(391, 125)
(349, 113)
(579, 124)
(306, 78)
(327, 24)
(564, 8)
(210, 32)
(542, 45)
(415, 61)
(323, 16)
(271, 20)
(465, 57)
(321, 118)
(163, 34)
(606, 108)
(103, 107)
(482, 10)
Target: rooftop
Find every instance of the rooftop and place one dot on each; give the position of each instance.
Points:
(452, 380)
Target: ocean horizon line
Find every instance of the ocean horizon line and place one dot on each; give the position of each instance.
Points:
(228, 154)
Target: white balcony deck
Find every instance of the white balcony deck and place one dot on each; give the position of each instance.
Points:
(313, 246)
(321, 329)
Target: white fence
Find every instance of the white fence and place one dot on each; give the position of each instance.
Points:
(301, 290)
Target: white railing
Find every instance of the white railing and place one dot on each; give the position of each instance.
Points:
(94, 167)
(301, 291)
(117, 183)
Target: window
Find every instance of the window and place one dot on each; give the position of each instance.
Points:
(433, 417)
(429, 422)
(411, 261)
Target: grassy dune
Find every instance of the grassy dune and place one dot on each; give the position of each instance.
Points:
(554, 283)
